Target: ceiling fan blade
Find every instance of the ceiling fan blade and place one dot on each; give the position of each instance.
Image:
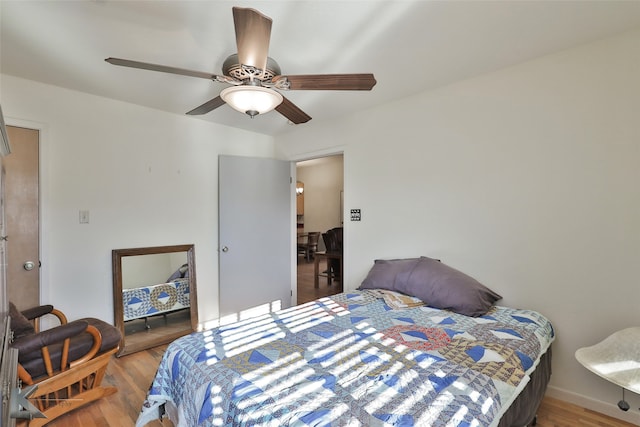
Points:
(160, 68)
(292, 112)
(253, 32)
(326, 82)
(207, 106)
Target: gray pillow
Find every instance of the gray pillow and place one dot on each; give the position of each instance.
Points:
(441, 286)
(384, 271)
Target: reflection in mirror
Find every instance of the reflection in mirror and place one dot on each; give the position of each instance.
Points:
(154, 293)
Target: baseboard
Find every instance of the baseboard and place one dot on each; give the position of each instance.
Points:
(609, 409)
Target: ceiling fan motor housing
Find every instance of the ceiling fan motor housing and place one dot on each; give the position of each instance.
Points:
(232, 68)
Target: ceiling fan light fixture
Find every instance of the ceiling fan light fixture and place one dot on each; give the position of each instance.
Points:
(251, 100)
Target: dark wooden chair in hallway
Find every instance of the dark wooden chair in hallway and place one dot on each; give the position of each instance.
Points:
(333, 243)
(309, 246)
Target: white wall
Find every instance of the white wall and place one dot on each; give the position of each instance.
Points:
(323, 182)
(147, 177)
(145, 270)
(527, 179)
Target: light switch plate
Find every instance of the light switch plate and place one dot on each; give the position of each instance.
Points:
(84, 217)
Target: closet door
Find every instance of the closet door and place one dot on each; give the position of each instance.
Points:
(22, 197)
(255, 234)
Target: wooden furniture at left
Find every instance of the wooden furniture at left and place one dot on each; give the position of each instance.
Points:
(8, 373)
(67, 362)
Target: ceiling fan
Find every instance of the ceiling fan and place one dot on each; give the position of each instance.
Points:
(254, 76)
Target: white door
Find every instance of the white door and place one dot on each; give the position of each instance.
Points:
(255, 232)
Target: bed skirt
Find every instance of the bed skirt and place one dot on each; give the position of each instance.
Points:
(524, 409)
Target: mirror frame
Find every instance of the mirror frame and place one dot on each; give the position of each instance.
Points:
(118, 304)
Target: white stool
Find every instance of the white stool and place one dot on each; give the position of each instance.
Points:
(616, 359)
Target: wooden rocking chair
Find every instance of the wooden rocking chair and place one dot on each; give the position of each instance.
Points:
(67, 362)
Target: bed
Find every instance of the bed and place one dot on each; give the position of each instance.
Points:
(368, 357)
(162, 298)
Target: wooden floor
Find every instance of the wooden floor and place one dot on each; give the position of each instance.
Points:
(133, 374)
(306, 291)
(139, 334)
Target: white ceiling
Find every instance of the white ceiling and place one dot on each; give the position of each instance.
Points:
(410, 46)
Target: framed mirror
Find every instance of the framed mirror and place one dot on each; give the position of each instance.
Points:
(154, 295)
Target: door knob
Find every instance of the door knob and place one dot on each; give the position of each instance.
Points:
(225, 249)
(29, 265)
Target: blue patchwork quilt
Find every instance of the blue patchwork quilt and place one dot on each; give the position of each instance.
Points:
(150, 300)
(350, 360)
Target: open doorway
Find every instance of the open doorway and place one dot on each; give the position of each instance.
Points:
(319, 209)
